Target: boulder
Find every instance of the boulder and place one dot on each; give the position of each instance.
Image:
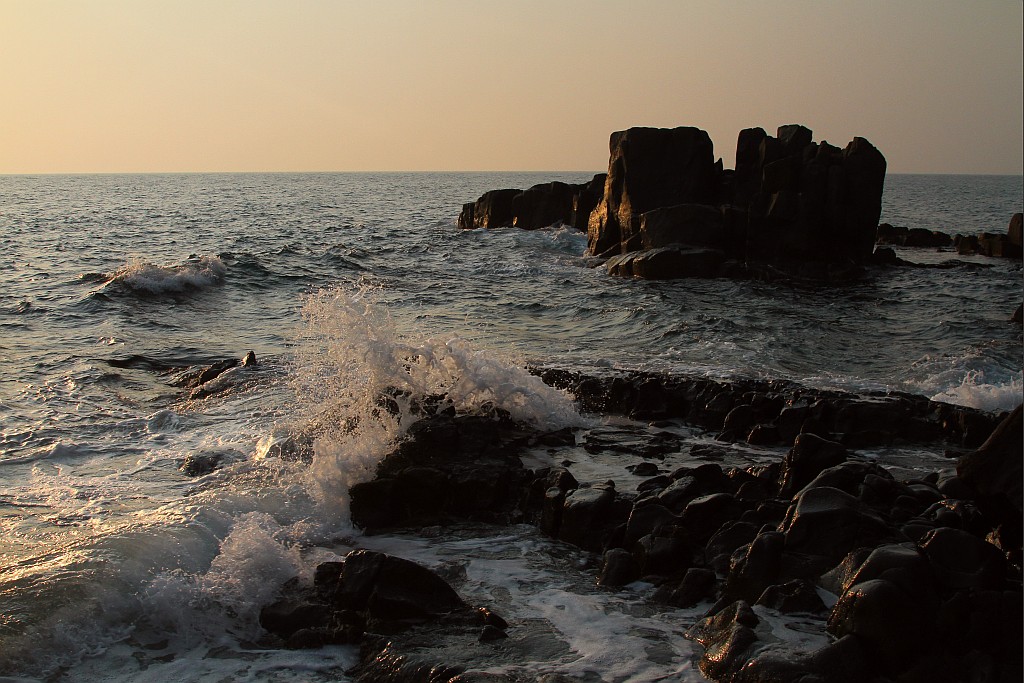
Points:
(824, 524)
(586, 515)
(492, 210)
(755, 568)
(728, 638)
(543, 205)
(895, 629)
(996, 469)
(448, 467)
(961, 560)
(650, 168)
(808, 457)
(798, 595)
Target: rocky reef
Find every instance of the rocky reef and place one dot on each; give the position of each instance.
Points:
(924, 573)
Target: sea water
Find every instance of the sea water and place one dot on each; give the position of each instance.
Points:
(115, 565)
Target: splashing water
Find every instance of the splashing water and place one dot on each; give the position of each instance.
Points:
(199, 273)
(352, 357)
(977, 392)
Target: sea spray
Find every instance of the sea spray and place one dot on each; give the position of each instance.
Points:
(359, 382)
(196, 273)
(975, 391)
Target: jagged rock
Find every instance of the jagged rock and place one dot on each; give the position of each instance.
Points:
(728, 638)
(808, 457)
(755, 568)
(536, 207)
(492, 210)
(543, 205)
(650, 168)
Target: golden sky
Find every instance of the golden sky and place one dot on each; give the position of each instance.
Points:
(334, 85)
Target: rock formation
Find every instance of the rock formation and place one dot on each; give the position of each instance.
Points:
(537, 207)
(669, 209)
(925, 572)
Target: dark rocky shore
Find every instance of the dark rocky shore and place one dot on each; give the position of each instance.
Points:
(926, 573)
(907, 578)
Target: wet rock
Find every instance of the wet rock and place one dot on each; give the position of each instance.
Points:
(824, 524)
(646, 519)
(697, 585)
(728, 638)
(586, 516)
(391, 589)
(798, 595)
(807, 458)
(448, 467)
(200, 463)
(901, 564)
(755, 568)
(669, 262)
(618, 567)
(543, 205)
(196, 377)
(961, 560)
(842, 661)
(729, 537)
(705, 515)
(895, 629)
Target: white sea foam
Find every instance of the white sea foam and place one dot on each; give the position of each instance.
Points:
(197, 273)
(975, 391)
(352, 355)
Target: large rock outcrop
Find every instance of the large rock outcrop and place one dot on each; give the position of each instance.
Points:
(791, 205)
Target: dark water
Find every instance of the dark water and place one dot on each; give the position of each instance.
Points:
(109, 285)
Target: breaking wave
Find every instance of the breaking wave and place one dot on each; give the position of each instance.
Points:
(196, 273)
(360, 383)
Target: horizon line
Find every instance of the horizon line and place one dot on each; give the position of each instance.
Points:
(404, 171)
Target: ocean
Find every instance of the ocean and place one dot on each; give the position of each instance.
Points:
(115, 565)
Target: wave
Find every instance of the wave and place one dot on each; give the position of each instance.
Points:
(351, 356)
(142, 276)
(975, 392)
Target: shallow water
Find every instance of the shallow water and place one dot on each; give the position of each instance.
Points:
(117, 566)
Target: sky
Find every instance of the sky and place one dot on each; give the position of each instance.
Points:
(104, 86)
